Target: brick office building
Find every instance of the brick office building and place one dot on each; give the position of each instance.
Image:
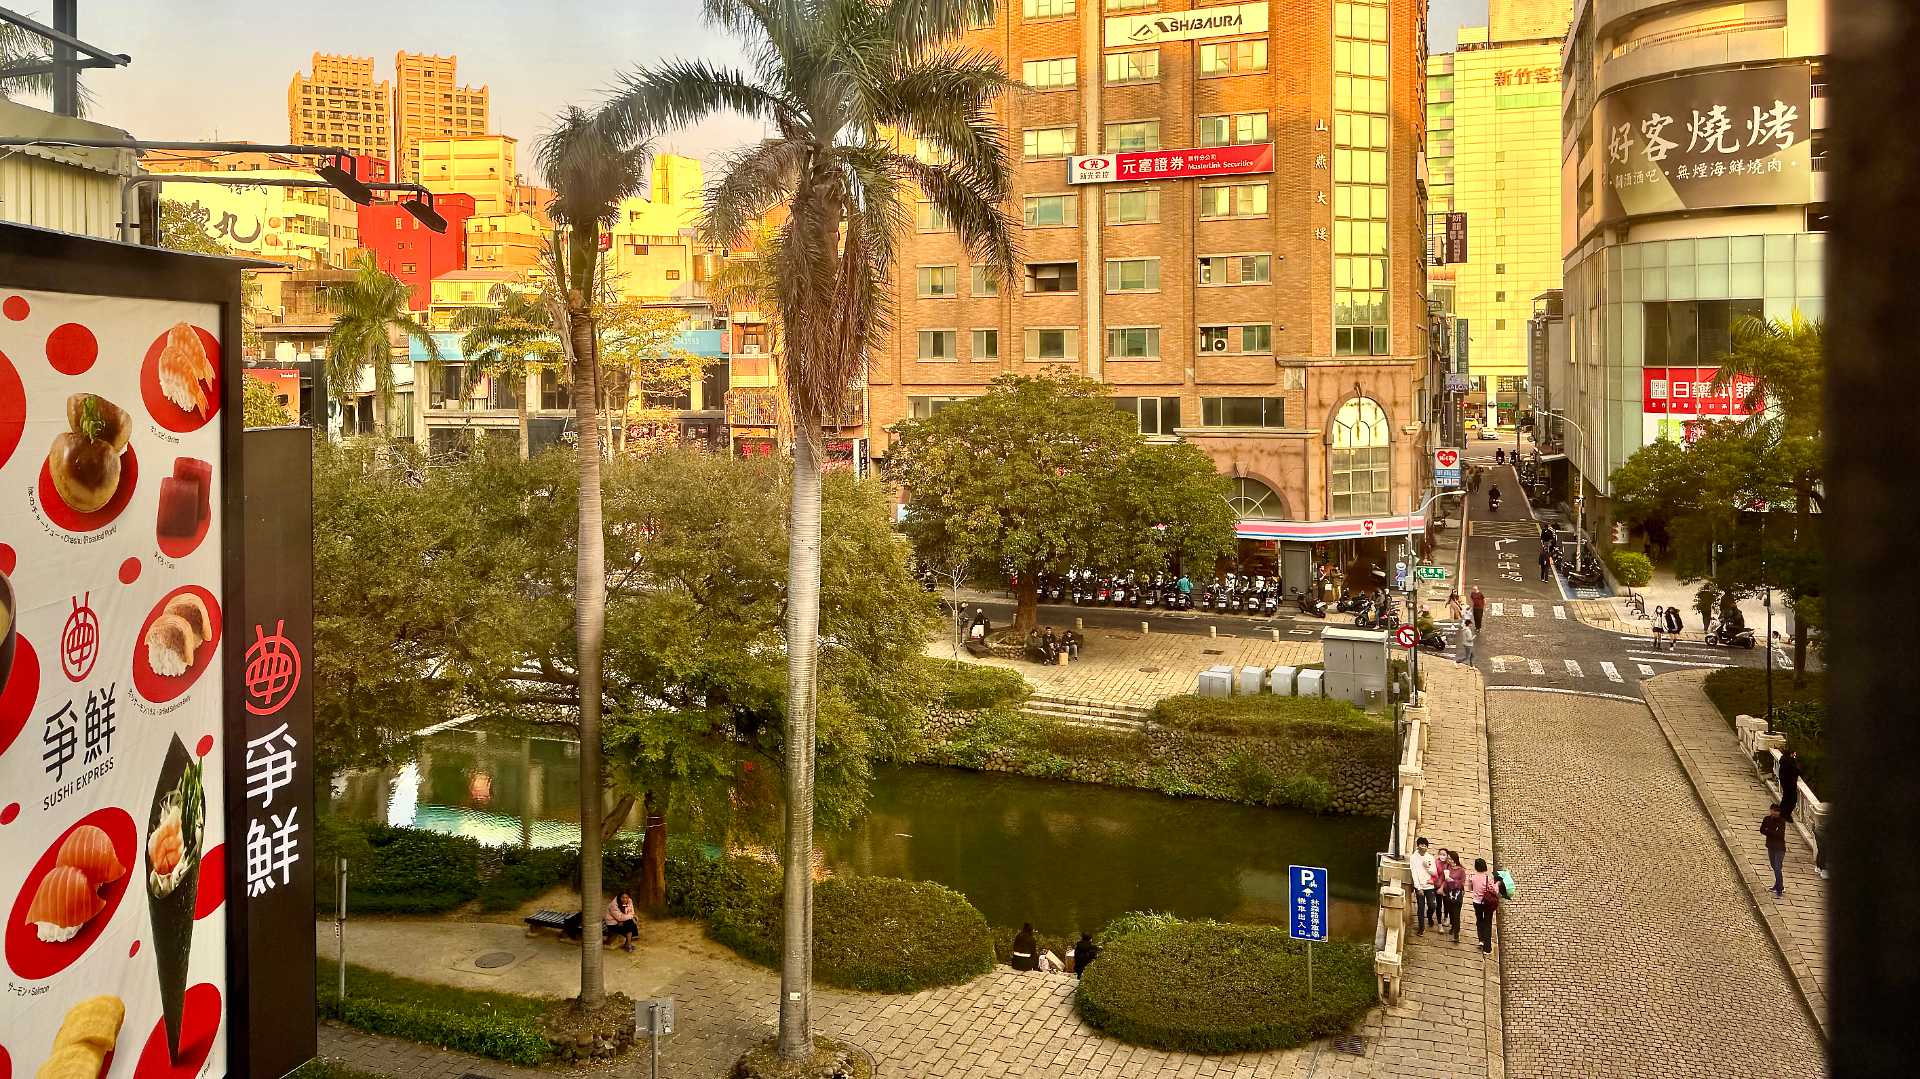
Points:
(1223, 218)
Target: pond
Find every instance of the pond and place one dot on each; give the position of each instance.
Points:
(1065, 856)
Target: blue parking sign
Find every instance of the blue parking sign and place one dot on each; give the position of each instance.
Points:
(1307, 900)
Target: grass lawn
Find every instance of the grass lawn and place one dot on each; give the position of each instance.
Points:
(1743, 691)
(503, 1026)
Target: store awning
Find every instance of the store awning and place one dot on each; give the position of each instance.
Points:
(1324, 531)
(1546, 458)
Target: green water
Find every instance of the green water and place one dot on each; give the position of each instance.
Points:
(1065, 856)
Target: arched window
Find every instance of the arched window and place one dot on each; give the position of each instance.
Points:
(1357, 461)
(1251, 498)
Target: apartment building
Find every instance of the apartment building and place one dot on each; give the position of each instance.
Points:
(429, 104)
(1222, 217)
(483, 166)
(339, 104)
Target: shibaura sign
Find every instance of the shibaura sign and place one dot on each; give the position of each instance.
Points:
(1226, 20)
(156, 786)
(1716, 139)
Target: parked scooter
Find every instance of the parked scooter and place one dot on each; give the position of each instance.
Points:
(1312, 608)
(1725, 636)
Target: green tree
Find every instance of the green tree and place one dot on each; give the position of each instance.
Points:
(590, 171)
(842, 84)
(508, 340)
(369, 311)
(1040, 475)
(261, 407)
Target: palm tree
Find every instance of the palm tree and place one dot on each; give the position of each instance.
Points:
(367, 312)
(505, 340)
(20, 49)
(844, 83)
(590, 170)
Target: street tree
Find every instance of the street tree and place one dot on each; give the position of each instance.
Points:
(1040, 475)
(369, 311)
(508, 340)
(261, 407)
(590, 169)
(846, 87)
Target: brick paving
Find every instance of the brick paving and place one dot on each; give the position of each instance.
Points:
(1632, 947)
(1736, 799)
(1128, 667)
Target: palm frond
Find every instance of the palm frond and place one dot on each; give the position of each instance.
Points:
(753, 180)
(679, 93)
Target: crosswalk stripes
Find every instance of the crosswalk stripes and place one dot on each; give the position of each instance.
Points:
(1645, 671)
(1560, 612)
(1573, 668)
(1645, 659)
(1612, 672)
(1534, 666)
(1499, 664)
(1526, 610)
(1499, 609)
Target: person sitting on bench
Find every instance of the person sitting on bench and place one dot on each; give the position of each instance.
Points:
(620, 922)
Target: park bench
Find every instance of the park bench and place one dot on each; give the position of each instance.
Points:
(548, 919)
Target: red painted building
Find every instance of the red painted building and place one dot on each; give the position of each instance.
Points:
(412, 252)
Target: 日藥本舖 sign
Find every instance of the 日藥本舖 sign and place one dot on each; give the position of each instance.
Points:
(1226, 20)
(1195, 164)
(1688, 391)
(1720, 138)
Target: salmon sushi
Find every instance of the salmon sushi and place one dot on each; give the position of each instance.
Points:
(88, 849)
(64, 903)
(182, 367)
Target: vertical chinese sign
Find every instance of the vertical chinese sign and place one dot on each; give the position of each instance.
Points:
(123, 955)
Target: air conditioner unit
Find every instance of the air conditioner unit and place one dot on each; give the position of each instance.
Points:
(749, 350)
(1218, 345)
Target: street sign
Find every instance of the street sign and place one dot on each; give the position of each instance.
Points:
(1400, 576)
(1458, 384)
(1307, 899)
(1456, 245)
(1406, 636)
(1462, 346)
(653, 1016)
(1446, 467)
(1431, 573)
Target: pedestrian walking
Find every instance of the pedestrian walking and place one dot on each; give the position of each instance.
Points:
(1673, 629)
(1546, 562)
(1454, 606)
(1774, 827)
(1453, 885)
(1484, 887)
(1422, 868)
(1478, 601)
(1789, 783)
(1659, 621)
(1466, 643)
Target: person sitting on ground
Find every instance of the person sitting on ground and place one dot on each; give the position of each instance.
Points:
(620, 922)
(1084, 953)
(1023, 956)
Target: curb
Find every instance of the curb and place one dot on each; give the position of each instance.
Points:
(1811, 998)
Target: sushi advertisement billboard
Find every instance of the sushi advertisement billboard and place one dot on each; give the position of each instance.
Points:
(155, 782)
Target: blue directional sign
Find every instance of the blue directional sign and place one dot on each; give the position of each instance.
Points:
(1307, 899)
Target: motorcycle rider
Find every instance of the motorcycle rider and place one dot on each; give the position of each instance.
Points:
(1499, 456)
(1493, 498)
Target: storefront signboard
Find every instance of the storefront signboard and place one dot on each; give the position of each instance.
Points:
(1719, 138)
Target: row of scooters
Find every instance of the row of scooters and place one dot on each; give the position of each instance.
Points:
(1583, 572)
(1229, 593)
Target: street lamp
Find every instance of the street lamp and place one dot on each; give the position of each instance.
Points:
(1413, 591)
(1579, 494)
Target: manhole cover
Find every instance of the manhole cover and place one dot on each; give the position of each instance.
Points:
(1149, 670)
(1350, 1044)
(1212, 652)
(494, 959)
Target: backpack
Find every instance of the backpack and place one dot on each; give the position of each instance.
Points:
(1505, 880)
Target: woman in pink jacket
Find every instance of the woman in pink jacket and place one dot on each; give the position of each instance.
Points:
(1484, 887)
(1451, 879)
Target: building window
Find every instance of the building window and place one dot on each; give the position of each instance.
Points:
(1049, 74)
(1156, 415)
(673, 275)
(1053, 344)
(1049, 211)
(986, 344)
(409, 267)
(1233, 129)
(985, 281)
(1358, 460)
(1243, 412)
(1139, 65)
(555, 393)
(1499, 297)
(1499, 267)
(921, 408)
(1046, 9)
(1254, 338)
(1130, 5)
(930, 218)
(1133, 135)
(935, 281)
(1253, 499)
(1360, 307)
(1053, 277)
(1044, 142)
(1132, 207)
(1233, 57)
(1234, 270)
(1133, 275)
(939, 345)
(1134, 343)
(1692, 333)
(1233, 200)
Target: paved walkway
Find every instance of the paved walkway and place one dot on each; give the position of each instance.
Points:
(1736, 799)
(1128, 667)
(1632, 947)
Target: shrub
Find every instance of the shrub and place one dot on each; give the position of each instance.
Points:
(1798, 712)
(395, 870)
(524, 874)
(1631, 568)
(968, 686)
(500, 1026)
(1210, 987)
(1265, 715)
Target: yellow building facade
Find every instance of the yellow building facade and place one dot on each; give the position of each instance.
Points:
(428, 104)
(302, 227)
(339, 104)
(653, 254)
(1493, 125)
(505, 241)
(484, 166)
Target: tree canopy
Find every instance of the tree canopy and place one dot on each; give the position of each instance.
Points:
(1040, 475)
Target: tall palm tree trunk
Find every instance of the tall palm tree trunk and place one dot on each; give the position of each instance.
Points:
(520, 414)
(803, 626)
(590, 631)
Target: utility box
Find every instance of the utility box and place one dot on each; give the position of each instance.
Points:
(1251, 679)
(1216, 682)
(1282, 681)
(1309, 684)
(1356, 664)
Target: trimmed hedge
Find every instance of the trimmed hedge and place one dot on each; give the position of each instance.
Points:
(1210, 987)
(1267, 716)
(1630, 568)
(976, 685)
(523, 874)
(395, 870)
(876, 934)
(1799, 713)
(500, 1026)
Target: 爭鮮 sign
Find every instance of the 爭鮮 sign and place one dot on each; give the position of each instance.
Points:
(1307, 900)
(1188, 164)
(1446, 467)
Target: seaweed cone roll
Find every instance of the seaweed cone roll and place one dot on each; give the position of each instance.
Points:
(176, 830)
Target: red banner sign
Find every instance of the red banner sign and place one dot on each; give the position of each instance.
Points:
(1170, 164)
(1688, 391)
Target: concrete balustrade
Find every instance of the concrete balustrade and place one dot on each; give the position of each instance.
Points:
(1755, 739)
(1390, 935)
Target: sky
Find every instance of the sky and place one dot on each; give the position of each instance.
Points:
(222, 72)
